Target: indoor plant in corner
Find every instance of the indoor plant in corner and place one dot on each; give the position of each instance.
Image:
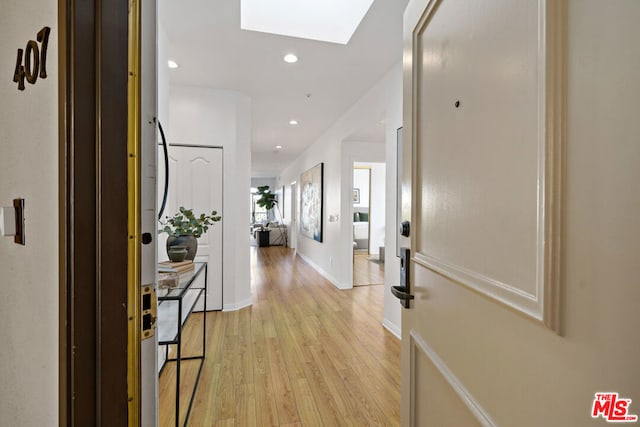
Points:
(184, 229)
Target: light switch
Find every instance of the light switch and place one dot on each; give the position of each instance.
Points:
(7, 221)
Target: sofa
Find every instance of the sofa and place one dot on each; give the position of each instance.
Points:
(277, 233)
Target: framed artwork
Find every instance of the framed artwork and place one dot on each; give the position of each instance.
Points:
(356, 195)
(311, 202)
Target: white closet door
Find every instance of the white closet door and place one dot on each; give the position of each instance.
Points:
(195, 182)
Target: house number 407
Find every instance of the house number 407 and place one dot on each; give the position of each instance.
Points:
(32, 61)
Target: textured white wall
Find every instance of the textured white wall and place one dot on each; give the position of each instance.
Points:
(202, 116)
(29, 169)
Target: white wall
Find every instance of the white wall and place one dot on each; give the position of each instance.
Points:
(202, 116)
(361, 181)
(288, 209)
(333, 256)
(257, 182)
(378, 207)
(164, 119)
(392, 309)
(163, 76)
(29, 169)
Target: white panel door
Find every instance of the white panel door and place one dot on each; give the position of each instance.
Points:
(195, 182)
(486, 340)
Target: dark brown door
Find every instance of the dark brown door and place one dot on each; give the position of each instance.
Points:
(93, 212)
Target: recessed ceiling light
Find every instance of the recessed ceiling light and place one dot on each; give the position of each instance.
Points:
(293, 122)
(290, 58)
(172, 64)
(278, 147)
(311, 21)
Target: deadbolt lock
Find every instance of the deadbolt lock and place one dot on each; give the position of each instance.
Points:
(405, 228)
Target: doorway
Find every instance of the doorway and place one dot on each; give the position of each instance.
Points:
(196, 175)
(368, 223)
(293, 214)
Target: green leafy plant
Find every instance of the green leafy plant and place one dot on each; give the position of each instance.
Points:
(185, 222)
(267, 199)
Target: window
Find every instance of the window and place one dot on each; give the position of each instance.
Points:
(258, 214)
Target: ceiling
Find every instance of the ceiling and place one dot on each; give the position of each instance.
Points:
(206, 41)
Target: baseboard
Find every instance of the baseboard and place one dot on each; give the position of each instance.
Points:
(324, 273)
(393, 328)
(237, 306)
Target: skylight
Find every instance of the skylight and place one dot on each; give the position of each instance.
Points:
(332, 21)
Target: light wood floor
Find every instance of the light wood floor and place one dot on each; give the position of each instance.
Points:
(367, 272)
(305, 354)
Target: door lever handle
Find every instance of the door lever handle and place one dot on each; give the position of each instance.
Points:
(401, 292)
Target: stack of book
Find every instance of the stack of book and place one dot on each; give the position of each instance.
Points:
(175, 267)
(168, 280)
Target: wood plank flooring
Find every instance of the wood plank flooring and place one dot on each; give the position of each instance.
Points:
(366, 272)
(305, 354)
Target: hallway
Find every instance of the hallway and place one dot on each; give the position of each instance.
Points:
(305, 353)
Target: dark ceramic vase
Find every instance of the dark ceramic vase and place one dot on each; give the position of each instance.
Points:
(188, 241)
(177, 253)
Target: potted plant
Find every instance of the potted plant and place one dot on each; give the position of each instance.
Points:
(268, 201)
(184, 228)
